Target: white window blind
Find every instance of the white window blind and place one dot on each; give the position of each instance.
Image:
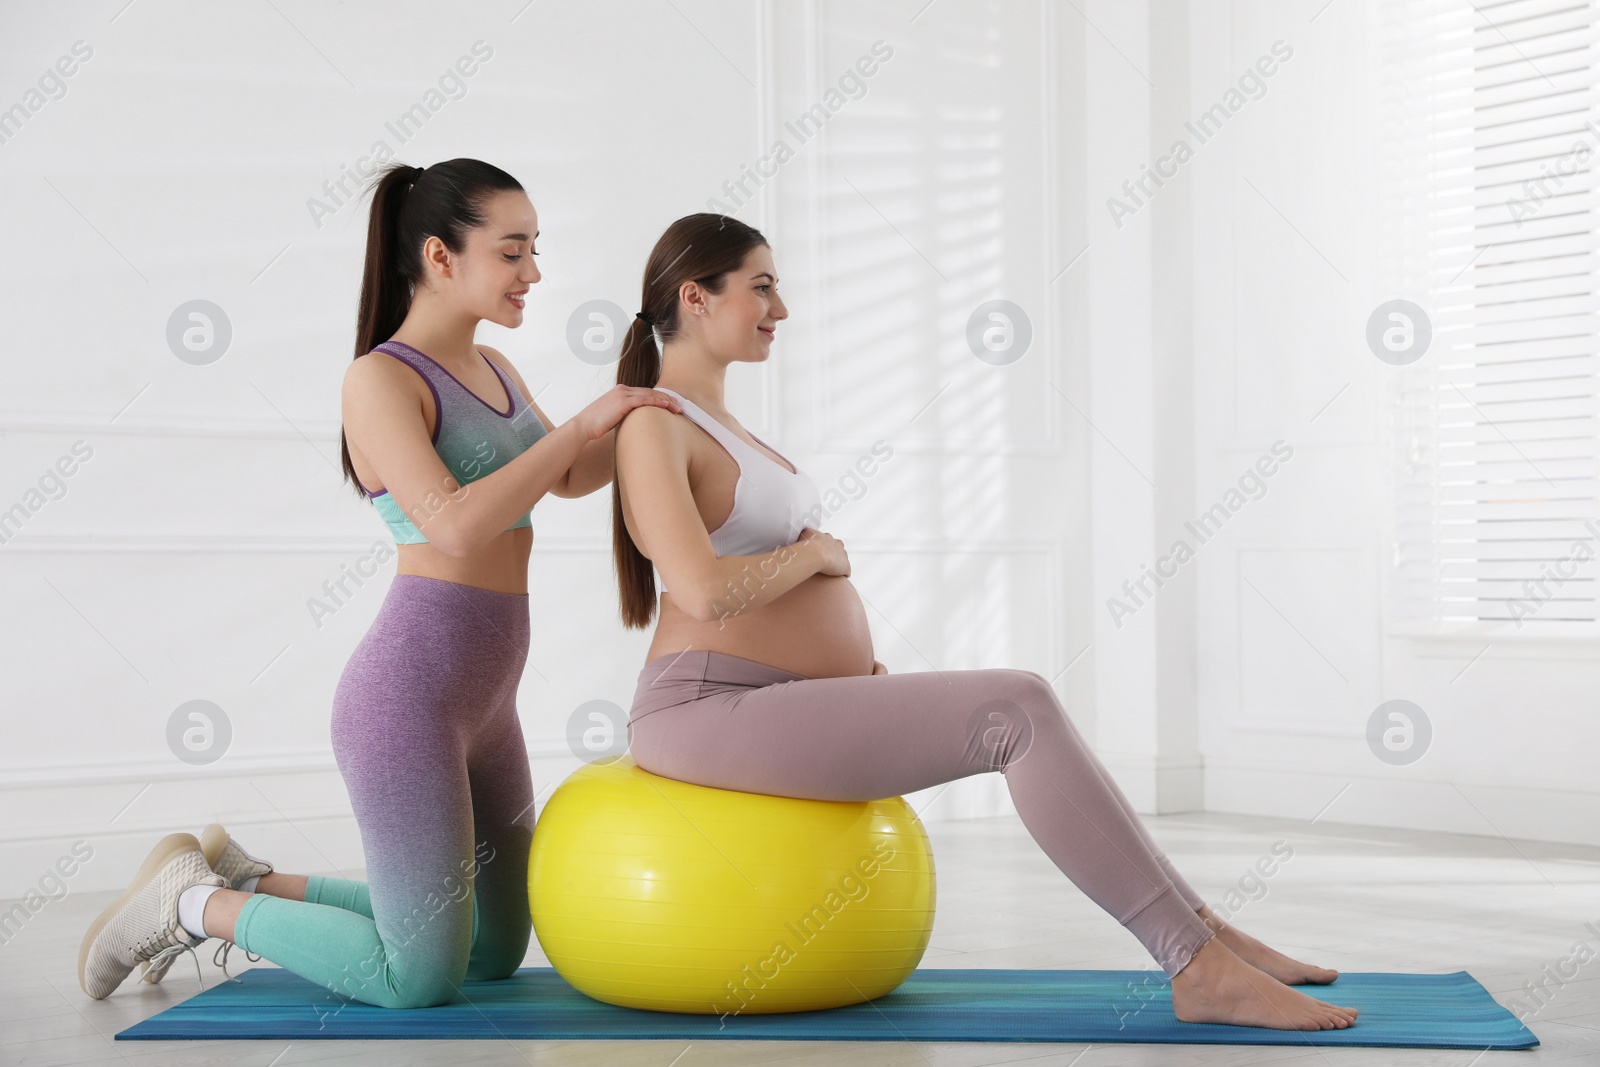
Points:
(1492, 143)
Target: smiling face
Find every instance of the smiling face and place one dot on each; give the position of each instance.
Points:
(738, 324)
(491, 277)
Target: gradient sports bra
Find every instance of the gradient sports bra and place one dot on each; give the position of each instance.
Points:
(472, 438)
(771, 504)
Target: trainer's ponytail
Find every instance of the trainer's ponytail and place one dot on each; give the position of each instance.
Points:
(409, 205)
(700, 248)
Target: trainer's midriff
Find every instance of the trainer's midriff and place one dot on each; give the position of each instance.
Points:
(817, 629)
(500, 566)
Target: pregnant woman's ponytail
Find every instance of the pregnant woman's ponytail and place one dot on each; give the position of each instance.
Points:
(699, 248)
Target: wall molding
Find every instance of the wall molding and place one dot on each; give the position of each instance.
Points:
(185, 544)
(83, 423)
(284, 762)
(222, 542)
(936, 545)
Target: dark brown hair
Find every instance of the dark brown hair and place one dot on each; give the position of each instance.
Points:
(445, 201)
(700, 248)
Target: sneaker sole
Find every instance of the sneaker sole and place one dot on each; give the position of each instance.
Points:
(168, 847)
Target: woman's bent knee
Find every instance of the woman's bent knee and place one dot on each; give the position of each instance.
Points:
(500, 951)
(427, 991)
(1018, 707)
(1032, 695)
(494, 970)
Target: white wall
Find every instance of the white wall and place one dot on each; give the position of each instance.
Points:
(179, 561)
(1296, 651)
(1169, 352)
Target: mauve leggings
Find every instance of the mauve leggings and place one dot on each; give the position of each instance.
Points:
(732, 723)
(426, 734)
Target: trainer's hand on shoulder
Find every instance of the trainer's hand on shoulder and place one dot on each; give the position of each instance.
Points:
(601, 416)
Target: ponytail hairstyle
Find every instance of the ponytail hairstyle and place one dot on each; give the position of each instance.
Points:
(409, 205)
(697, 248)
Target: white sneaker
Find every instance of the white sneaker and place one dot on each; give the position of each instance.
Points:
(228, 859)
(224, 856)
(143, 922)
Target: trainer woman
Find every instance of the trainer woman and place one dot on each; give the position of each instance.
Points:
(761, 677)
(444, 438)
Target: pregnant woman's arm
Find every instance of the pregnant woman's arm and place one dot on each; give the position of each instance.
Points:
(664, 521)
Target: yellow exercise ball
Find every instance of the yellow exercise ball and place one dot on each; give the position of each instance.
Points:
(653, 893)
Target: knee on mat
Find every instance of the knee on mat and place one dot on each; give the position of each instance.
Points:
(424, 983)
(509, 947)
(423, 991)
(493, 970)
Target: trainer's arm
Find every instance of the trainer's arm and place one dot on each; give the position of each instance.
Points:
(382, 412)
(596, 460)
(592, 469)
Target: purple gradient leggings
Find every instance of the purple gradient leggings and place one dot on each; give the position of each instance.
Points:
(426, 734)
(732, 723)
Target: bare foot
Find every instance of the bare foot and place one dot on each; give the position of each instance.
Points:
(1285, 969)
(1218, 987)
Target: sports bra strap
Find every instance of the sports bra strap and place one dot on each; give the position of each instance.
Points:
(701, 418)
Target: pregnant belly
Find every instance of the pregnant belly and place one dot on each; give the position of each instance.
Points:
(818, 629)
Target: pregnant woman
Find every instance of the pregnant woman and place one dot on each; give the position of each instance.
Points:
(442, 436)
(761, 678)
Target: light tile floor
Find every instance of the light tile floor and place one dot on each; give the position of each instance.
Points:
(1355, 898)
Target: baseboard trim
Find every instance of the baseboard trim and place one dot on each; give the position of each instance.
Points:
(1555, 815)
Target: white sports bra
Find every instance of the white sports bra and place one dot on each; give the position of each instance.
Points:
(771, 504)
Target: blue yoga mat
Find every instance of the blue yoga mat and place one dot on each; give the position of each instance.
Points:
(934, 1004)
